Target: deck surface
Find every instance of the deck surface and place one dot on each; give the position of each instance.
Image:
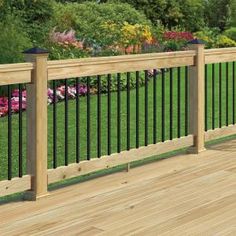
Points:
(183, 195)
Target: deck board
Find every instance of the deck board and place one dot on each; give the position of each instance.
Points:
(184, 195)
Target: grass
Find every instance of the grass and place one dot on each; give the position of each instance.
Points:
(83, 128)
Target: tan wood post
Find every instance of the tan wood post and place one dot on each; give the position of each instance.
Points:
(37, 124)
(197, 99)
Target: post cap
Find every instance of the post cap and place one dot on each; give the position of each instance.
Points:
(197, 41)
(36, 50)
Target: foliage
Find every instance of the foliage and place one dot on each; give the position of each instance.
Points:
(123, 82)
(233, 13)
(65, 45)
(231, 33)
(224, 42)
(13, 40)
(209, 36)
(88, 20)
(185, 13)
(214, 39)
(217, 13)
(60, 95)
(176, 40)
(35, 15)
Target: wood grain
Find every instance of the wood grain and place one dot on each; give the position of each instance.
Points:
(183, 195)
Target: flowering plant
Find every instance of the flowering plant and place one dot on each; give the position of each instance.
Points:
(175, 40)
(65, 45)
(60, 95)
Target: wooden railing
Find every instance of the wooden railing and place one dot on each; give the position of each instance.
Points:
(38, 71)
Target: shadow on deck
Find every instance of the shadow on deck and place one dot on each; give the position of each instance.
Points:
(183, 195)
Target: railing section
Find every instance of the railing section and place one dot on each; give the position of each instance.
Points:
(109, 111)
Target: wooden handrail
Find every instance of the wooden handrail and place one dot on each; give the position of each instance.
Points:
(220, 55)
(15, 73)
(118, 64)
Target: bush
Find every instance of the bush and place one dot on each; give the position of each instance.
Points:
(188, 14)
(123, 82)
(13, 40)
(65, 45)
(224, 42)
(175, 40)
(209, 36)
(99, 24)
(217, 13)
(231, 33)
(35, 15)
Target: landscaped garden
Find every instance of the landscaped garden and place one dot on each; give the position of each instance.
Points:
(78, 29)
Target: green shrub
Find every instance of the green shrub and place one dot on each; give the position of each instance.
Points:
(123, 82)
(13, 40)
(36, 16)
(231, 33)
(188, 14)
(224, 42)
(88, 20)
(58, 52)
(217, 13)
(209, 36)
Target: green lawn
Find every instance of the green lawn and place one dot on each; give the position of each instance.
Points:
(83, 117)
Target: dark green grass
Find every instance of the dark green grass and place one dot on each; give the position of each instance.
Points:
(83, 123)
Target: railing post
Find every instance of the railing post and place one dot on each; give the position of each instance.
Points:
(37, 124)
(196, 91)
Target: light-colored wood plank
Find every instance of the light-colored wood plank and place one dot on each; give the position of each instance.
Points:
(37, 127)
(220, 55)
(196, 91)
(15, 73)
(220, 132)
(158, 195)
(105, 162)
(108, 65)
(15, 185)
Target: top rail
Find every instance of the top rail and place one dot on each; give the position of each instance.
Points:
(220, 55)
(61, 69)
(15, 73)
(118, 64)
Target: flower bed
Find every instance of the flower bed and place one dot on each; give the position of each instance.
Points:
(60, 95)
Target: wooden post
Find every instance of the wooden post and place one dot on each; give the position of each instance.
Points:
(197, 96)
(37, 124)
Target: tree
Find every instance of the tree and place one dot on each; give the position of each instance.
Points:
(217, 13)
(188, 14)
(233, 13)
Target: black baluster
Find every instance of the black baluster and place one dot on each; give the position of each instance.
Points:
(128, 112)
(88, 119)
(154, 106)
(137, 109)
(213, 96)
(171, 104)
(109, 115)
(20, 133)
(77, 85)
(186, 100)
(146, 108)
(179, 103)
(66, 122)
(220, 95)
(206, 97)
(99, 116)
(118, 114)
(54, 125)
(227, 93)
(163, 105)
(9, 134)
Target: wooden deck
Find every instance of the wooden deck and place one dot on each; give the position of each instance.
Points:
(183, 195)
